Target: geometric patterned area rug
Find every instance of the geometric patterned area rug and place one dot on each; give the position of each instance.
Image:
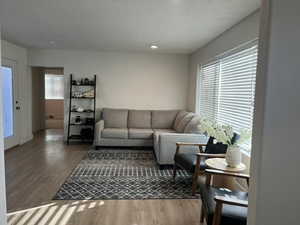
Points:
(123, 174)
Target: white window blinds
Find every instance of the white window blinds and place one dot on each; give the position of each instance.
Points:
(236, 89)
(227, 88)
(209, 90)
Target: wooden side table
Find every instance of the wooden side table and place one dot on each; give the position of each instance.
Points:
(220, 164)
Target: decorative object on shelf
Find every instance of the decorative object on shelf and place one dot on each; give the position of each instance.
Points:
(74, 108)
(89, 94)
(78, 120)
(77, 94)
(223, 134)
(80, 109)
(86, 81)
(74, 132)
(83, 82)
(89, 121)
(86, 133)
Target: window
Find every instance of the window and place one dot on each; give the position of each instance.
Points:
(8, 101)
(54, 86)
(227, 88)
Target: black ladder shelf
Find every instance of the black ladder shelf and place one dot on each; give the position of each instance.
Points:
(78, 137)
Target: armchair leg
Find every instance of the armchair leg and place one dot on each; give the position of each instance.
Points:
(196, 174)
(174, 172)
(194, 184)
(218, 214)
(202, 214)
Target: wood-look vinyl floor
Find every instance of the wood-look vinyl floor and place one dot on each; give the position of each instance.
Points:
(36, 170)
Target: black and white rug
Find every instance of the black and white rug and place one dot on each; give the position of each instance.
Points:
(123, 174)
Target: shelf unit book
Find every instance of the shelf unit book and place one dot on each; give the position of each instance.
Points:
(86, 113)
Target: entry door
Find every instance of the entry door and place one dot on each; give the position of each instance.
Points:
(10, 103)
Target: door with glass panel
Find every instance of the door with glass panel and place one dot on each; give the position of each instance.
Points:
(10, 103)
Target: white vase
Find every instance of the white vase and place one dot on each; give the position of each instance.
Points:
(233, 156)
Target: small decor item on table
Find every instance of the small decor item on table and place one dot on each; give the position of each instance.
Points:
(233, 155)
(224, 134)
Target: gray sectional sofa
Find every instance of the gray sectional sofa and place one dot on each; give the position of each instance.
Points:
(158, 128)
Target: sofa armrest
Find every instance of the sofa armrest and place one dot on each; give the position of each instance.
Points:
(167, 145)
(98, 129)
(175, 138)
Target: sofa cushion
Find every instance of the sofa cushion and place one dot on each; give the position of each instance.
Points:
(135, 133)
(163, 119)
(179, 117)
(192, 126)
(115, 133)
(159, 131)
(183, 122)
(115, 118)
(139, 119)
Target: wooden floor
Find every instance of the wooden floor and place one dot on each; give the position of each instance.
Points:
(36, 170)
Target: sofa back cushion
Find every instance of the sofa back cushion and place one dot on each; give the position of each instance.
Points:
(163, 119)
(192, 126)
(179, 117)
(183, 122)
(139, 119)
(115, 118)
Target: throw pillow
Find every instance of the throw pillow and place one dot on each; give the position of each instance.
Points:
(179, 117)
(192, 126)
(182, 124)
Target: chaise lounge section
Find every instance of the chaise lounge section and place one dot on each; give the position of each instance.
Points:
(158, 128)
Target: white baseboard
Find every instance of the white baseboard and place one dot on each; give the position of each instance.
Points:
(26, 139)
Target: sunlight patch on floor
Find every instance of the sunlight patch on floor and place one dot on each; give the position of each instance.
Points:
(54, 213)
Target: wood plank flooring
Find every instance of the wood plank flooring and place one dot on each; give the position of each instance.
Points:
(36, 170)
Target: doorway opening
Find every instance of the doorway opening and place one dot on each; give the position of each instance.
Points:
(48, 99)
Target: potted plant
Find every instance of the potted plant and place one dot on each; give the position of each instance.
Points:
(224, 134)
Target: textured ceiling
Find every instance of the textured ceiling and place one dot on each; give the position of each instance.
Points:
(177, 26)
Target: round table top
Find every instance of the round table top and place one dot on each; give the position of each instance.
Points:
(221, 164)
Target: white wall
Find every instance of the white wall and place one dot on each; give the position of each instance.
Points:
(130, 80)
(23, 83)
(2, 167)
(275, 164)
(246, 30)
(124, 80)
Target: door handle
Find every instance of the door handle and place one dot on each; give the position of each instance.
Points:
(18, 108)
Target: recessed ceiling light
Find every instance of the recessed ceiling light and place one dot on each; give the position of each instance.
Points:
(153, 46)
